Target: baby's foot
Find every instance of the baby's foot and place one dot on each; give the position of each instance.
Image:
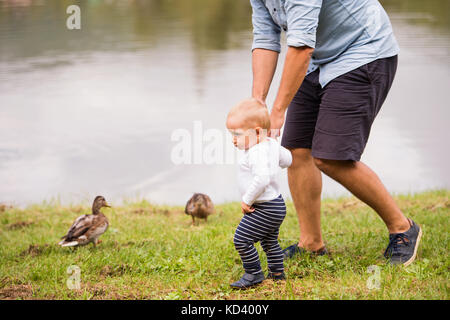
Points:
(276, 276)
(248, 280)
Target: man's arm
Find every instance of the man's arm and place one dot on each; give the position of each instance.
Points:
(264, 63)
(265, 49)
(302, 19)
(294, 71)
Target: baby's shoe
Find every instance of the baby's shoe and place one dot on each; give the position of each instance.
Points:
(275, 277)
(248, 280)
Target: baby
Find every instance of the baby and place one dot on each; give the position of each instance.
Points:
(262, 204)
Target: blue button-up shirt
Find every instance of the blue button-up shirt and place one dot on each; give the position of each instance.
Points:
(345, 34)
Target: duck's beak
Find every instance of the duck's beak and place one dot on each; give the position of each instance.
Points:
(105, 204)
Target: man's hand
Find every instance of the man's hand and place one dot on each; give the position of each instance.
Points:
(276, 122)
(246, 208)
(295, 67)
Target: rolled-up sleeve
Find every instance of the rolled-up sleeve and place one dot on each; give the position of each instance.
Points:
(302, 20)
(266, 33)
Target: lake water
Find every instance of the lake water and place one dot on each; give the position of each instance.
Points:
(93, 111)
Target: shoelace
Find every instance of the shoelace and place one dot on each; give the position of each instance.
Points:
(394, 241)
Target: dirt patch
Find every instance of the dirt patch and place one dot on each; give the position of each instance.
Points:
(352, 203)
(128, 244)
(102, 291)
(34, 250)
(162, 211)
(341, 207)
(79, 209)
(141, 211)
(98, 290)
(22, 291)
(140, 243)
(4, 207)
(118, 270)
(19, 225)
(149, 211)
(439, 205)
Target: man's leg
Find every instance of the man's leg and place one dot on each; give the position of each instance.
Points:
(349, 105)
(360, 180)
(305, 184)
(305, 180)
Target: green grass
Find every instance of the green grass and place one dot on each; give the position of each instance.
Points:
(153, 252)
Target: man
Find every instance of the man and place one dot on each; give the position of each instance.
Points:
(340, 64)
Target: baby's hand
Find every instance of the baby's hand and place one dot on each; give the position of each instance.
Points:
(246, 208)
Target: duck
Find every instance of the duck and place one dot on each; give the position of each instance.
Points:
(87, 228)
(199, 206)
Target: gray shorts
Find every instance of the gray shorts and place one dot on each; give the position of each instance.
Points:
(335, 121)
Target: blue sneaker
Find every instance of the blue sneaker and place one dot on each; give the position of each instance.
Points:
(248, 280)
(402, 247)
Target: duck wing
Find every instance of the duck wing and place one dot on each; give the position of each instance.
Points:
(187, 206)
(209, 205)
(205, 205)
(98, 227)
(79, 227)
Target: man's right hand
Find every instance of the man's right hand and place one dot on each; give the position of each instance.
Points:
(276, 122)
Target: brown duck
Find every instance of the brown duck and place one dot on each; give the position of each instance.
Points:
(87, 228)
(199, 206)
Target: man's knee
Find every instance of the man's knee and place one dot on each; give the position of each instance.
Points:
(322, 164)
(326, 165)
(300, 156)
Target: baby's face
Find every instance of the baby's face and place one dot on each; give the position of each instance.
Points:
(244, 139)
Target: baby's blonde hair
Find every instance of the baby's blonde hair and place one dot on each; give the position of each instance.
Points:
(251, 114)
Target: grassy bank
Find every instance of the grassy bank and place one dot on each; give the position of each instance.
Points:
(153, 252)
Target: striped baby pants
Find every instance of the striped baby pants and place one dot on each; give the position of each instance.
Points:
(262, 225)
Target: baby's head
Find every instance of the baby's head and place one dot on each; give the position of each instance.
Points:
(248, 122)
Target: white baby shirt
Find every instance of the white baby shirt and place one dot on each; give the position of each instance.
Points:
(259, 168)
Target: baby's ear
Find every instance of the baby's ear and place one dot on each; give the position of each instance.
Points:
(261, 131)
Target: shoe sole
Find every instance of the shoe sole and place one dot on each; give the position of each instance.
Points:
(244, 288)
(407, 263)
